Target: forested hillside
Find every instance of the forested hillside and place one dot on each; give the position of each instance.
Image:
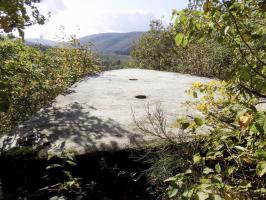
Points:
(108, 43)
(104, 43)
(49, 43)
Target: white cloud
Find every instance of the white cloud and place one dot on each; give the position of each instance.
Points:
(80, 26)
(85, 17)
(53, 6)
(124, 21)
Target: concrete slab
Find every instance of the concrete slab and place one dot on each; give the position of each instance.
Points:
(96, 113)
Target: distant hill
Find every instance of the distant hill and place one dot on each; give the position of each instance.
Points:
(112, 43)
(103, 43)
(39, 41)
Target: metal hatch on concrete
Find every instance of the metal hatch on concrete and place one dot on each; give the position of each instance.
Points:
(96, 113)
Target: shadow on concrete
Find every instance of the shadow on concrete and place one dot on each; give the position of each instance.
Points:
(67, 92)
(73, 125)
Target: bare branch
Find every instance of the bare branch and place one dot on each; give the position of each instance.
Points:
(155, 124)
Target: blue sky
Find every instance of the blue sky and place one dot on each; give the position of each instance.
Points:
(85, 17)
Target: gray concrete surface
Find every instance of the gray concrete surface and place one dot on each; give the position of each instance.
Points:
(96, 113)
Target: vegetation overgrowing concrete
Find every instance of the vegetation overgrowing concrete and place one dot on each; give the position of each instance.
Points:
(96, 113)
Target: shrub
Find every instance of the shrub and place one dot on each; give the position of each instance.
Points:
(206, 58)
(157, 50)
(30, 78)
(228, 161)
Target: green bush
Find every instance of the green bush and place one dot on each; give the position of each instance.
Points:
(157, 50)
(205, 58)
(228, 161)
(30, 78)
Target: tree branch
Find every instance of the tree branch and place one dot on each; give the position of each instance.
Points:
(241, 36)
(254, 92)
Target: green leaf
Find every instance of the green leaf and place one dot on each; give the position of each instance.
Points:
(188, 193)
(172, 191)
(69, 175)
(262, 41)
(71, 163)
(247, 37)
(205, 181)
(188, 171)
(184, 42)
(171, 179)
(261, 190)
(174, 13)
(179, 38)
(218, 168)
(217, 197)
(198, 121)
(54, 166)
(254, 129)
(245, 184)
(184, 124)
(197, 159)
(230, 170)
(50, 156)
(261, 168)
(202, 195)
(195, 94)
(260, 122)
(207, 170)
(261, 154)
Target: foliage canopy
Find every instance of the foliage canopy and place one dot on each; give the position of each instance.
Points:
(19, 14)
(228, 163)
(30, 78)
(157, 50)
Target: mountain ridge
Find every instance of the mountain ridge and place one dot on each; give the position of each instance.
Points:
(102, 43)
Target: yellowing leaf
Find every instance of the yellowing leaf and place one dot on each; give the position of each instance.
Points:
(247, 160)
(245, 120)
(207, 6)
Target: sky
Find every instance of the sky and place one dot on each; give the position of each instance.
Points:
(86, 17)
